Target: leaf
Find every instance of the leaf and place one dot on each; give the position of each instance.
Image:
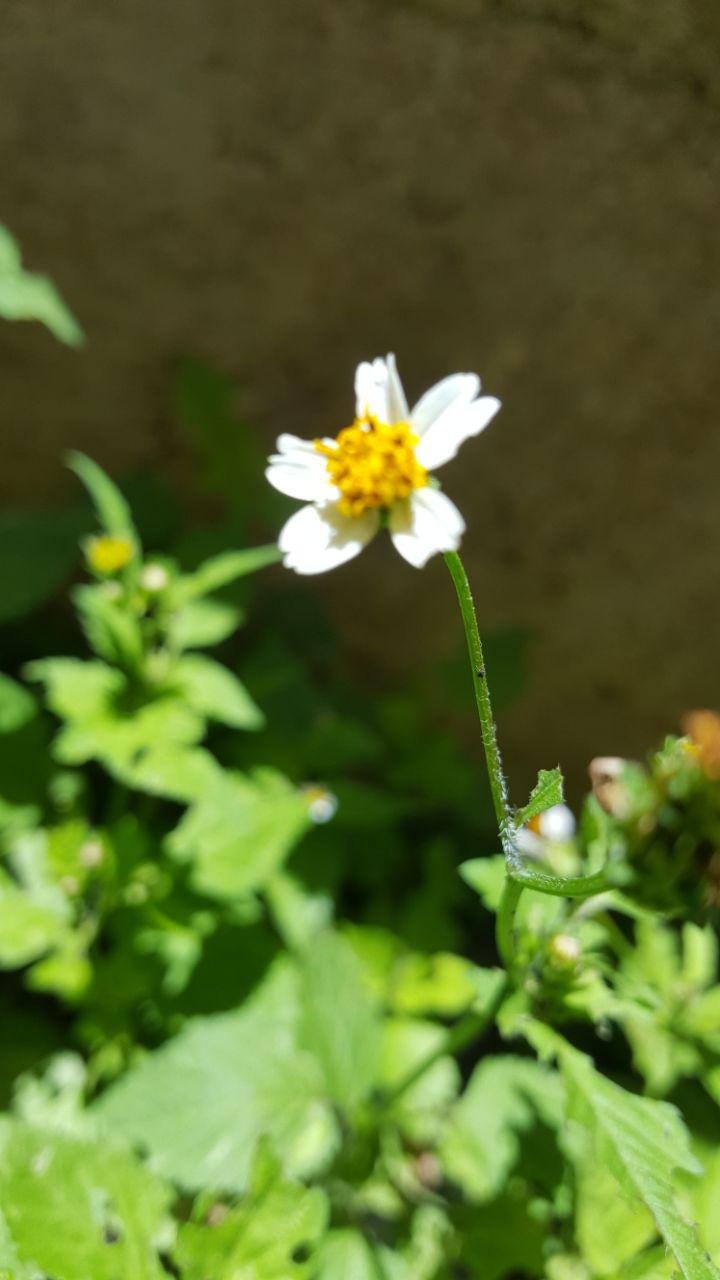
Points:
(548, 791)
(24, 296)
(269, 1236)
(240, 831)
(28, 927)
(112, 509)
(215, 692)
(221, 570)
(504, 1098)
(76, 690)
(201, 623)
(17, 705)
(75, 1209)
(406, 1043)
(610, 1227)
(112, 632)
(340, 1022)
(233, 1078)
(642, 1143)
(346, 1254)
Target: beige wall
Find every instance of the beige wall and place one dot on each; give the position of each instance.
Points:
(529, 189)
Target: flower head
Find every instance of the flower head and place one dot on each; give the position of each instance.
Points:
(108, 553)
(378, 470)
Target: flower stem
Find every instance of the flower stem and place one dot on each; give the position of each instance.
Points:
(498, 785)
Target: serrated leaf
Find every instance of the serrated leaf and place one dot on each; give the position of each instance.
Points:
(215, 692)
(548, 791)
(111, 506)
(504, 1098)
(233, 1078)
(75, 1209)
(610, 1226)
(643, 1143)
(269, 1236)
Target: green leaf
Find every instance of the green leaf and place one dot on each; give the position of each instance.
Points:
(25, 296)
(642, 1143)
(504, 1098)
(76, 690)
(215, 692)
(202, 623)
(346, 1254)
(548, 791)
(262, 1238)
(340, 1023)
(17, 705)
(74, 1209)
(113, 511)
(233, 1078)
(240, 831)
(221, 570)
(610, 1226)
(112, 632)
(29, 925)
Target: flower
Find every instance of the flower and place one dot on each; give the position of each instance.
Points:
(378, 470)
(555, 825)
(108, 553)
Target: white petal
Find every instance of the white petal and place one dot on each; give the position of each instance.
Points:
(319, 538)
(442, 440)
(426, 523)
(397, 401)
(372, 390)
(293, 444)
(458, 389)
(304, 480)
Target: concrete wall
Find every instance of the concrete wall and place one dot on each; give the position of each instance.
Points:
(528, 189)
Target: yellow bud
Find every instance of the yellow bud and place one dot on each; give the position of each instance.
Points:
(107, 554)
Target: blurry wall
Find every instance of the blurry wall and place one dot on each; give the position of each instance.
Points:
(525, 188)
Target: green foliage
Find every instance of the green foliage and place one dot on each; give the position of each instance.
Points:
(25, 296)
(548, 790)
(230, 885)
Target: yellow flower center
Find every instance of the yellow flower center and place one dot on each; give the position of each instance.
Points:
(108, 554)
(373, 464)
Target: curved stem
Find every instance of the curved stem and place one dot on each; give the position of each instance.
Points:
(518, 872)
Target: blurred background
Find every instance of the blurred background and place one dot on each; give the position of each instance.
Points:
(239, 201)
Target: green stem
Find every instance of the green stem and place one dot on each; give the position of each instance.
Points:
(505, 921)
(465, 1032)
(520, 873)
(498, 785)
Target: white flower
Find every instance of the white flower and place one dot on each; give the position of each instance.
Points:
(555, 825)
(379, 469)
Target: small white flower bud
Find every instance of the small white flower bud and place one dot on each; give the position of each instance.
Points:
(322, 805)
(154, 578)
(565, 950)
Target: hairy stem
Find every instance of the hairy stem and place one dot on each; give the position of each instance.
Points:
(498, 785)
